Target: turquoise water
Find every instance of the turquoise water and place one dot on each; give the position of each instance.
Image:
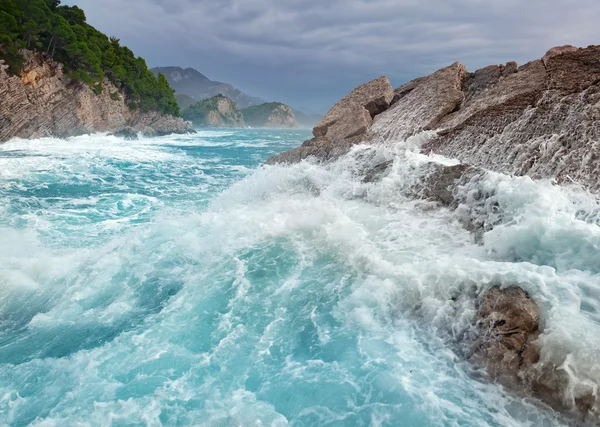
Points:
(176, 281)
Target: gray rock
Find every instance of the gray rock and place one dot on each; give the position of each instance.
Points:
(127, 133)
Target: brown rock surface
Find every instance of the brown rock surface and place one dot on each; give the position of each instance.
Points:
(423, 107)
(541, 119)
(347, 123)
(505, 344)
(43, 102)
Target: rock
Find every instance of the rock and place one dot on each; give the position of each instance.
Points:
(507, 326)
(541, 119)
(378, 172)
(505, 345)
(423, 107)
(218, 111)
(127, 133)
(440, 184)
(346, 124)
(352, 115)
(42, 102)
(270, 115)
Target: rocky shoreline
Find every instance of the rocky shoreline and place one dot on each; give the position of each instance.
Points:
(541, 120)
(44, 102)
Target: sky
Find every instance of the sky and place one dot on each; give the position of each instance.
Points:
(310, 53)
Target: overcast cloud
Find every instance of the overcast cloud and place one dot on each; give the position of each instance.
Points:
(309, 53)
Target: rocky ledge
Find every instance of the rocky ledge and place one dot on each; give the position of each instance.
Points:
(44, 102)
(542, 120)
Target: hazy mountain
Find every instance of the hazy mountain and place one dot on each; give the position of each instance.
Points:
(270, 115)
(196, 85)
(307, 120)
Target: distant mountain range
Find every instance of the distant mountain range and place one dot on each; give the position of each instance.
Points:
(191, 86)
(197, 86)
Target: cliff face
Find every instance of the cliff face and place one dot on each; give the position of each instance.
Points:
(541, 119)
(218, 111)
(43, 102)
(270, 115)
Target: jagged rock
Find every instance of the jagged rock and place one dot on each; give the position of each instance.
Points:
(507, 326)
(440, 184)
(505, 345)
(542, 121)
(424, 106)
(44, 103)
(127, 133)
(352, 115)
(345, 124)
(218, 111)
(270, 115)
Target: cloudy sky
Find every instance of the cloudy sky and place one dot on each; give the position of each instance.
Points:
(309, 53)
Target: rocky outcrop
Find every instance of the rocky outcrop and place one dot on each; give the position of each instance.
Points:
(270, 115)
(218, 111)
(504, 342)
(346, 124)
(541, 119)
(44, 102)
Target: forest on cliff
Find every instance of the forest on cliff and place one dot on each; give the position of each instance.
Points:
(62, 34)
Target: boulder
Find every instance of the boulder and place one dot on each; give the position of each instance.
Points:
(505, 345)
(346, 124)
(352, 115)
(127, 133)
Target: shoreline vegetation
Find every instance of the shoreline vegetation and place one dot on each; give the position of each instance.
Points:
(61, 34)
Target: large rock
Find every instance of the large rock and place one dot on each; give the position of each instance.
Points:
(352, 115)
(43, 102)
(347, 123)
(424, 106)
(218, 111)
(541, 119)
(505, 344)
(270, 115)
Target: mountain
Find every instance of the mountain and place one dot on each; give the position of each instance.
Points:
(197, 86)
(271, 115)
(307, 120)
(218, 111)
(185, 101)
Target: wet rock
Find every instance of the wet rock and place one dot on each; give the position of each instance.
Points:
(378, 172)
(127, 133)
(508, 324)
(505, 344)
(423, 107)
(440, 185)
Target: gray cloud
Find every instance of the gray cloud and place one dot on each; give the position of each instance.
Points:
(309, 53)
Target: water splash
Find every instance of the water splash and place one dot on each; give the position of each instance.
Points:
(174, 281)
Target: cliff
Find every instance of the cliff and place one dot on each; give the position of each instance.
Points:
(218, 111)
(540, 119)
(44, 102)
(270, 115)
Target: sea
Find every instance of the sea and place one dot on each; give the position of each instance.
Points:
(180, 281)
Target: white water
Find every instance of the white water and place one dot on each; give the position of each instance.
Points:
(175, 281)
